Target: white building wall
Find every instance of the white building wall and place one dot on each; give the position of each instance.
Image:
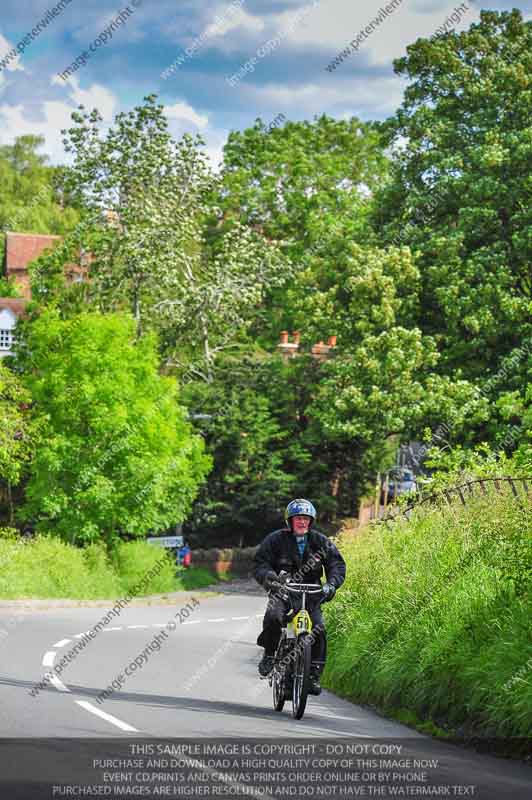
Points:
(8, 320)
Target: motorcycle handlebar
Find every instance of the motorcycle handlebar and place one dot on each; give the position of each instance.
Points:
(309, 588)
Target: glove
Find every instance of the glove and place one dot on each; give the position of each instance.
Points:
(328, 592)
(271, 582)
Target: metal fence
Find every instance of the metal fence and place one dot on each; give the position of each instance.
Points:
(521, 489)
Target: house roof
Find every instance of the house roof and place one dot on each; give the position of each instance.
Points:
(15, 304)
(21, 248)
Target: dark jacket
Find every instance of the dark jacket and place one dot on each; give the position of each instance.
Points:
(279, 551)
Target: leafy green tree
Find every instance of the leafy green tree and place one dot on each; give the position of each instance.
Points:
(297, 183)
(145, 201)
(17, 433)
(286, 180)
(459, 193)
(117, 454)
(251, 475)
(30, 200)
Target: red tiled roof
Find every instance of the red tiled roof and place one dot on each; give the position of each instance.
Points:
(21, 248)
(15, 304)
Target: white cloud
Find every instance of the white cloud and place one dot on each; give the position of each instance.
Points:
(185, 113)
(383, 95)
(90, 28)
(14, 64)
(215, 140)
(332, 24)
(233, 18)
(95, 96)
(54, 115)
(335, 23)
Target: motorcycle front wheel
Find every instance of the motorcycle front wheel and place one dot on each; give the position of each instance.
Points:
(301, 679)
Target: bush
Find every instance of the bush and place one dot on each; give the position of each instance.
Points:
(47, 567)
(134, 560)
(196, 578)
(434, 618)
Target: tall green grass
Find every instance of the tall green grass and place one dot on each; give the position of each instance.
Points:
(47, 567)
(434, 620)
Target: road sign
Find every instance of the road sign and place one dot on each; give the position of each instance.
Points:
(166, 541)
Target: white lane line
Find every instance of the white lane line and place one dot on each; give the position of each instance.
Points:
(59, 684)
(235, 618)
(159, 624)
(108, 717)
(192, 622)
(138, 626)
(48, 660)
(62, 643)
(106, 630)
(220, 619)
(80, 635)
(259, 615)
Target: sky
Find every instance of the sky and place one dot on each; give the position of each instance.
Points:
(216, 66)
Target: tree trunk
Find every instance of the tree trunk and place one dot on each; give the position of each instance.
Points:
(206, 349)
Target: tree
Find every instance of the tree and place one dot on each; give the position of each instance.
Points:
(145, 200)
(117, 454)
(295, 184)
(459, 193)
(382, 380)
(17, 433)
(251, 474)
(30, 200)
(287, 179)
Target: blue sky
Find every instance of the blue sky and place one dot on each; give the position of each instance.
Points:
(292, 41)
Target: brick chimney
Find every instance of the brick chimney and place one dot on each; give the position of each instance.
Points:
(286, 348)
(322, 351)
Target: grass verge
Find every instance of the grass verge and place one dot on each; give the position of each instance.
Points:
(433, 623)
(47, 568)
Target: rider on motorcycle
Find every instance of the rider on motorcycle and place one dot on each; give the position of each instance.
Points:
(304, 553)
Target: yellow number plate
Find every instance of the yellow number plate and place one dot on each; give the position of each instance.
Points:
(302, 622)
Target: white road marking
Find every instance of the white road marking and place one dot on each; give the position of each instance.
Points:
(49, 657)
(59, 684)
(108, 717)
(48, 660)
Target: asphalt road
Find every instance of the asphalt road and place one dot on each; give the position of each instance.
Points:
(201, 683)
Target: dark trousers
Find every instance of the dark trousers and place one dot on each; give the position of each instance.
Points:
(275, 618)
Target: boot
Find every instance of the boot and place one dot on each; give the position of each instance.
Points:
(266, 665)
(314, 681)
